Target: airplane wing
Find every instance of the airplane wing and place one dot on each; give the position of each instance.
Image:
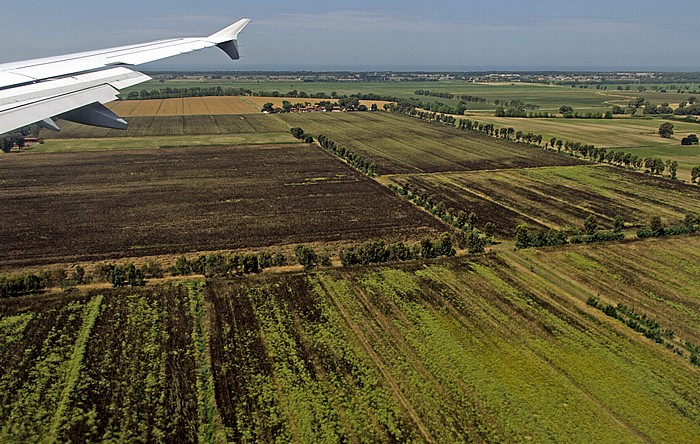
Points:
(74, 87)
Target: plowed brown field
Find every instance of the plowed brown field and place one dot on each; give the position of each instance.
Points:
(60, 207)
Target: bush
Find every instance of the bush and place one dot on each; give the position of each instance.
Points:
(279, 260)
(306, 256)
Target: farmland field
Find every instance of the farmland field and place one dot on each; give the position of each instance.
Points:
(559, 197)
(139, 203)
(457, 351)
(186, 106)
(156, 126)
(496, 348)
(141, 143)
(631, 135)
(399, 144)
(119, 366)
(548, 97)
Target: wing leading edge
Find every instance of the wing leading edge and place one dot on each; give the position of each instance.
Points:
(75, 86)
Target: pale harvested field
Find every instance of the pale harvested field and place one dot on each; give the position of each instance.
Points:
(171, 107)
(124, 108)
(148, 108)
(183, 106)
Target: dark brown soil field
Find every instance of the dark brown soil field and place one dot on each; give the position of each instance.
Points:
(560, 197)
(154, 126)
(89, 206)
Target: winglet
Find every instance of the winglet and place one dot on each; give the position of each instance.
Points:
(227, 38)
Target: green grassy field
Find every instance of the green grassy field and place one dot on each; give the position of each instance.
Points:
(559, 197)
(496, 348)
(399, 144)
(634, 135)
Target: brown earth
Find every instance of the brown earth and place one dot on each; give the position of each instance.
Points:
(102, 205)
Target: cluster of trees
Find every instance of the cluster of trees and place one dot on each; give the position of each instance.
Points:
(691, 139)
(651, 109)
(21, 284)
(298, 133)
(590, 234)
(695, 174)
(375, 252)
(657, 228)
(688, 110)
(219, 264)
(28, 283)
(507, 103)
(343, 104)
(8, 140)
(519, 112)
(123, 275)
(406, 106)
(358, 162)
(525, 239)
(309, 259)
(651, 165)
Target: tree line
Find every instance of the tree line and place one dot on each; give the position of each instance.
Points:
(226, 265)
(648, 327)
(650, 165)
(468, 235)
(524, 238)
(355, 160)
(176, 93)
(510, 103)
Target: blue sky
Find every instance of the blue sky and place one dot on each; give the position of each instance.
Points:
(374, 34)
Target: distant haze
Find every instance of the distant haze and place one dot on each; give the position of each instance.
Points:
(456, 35)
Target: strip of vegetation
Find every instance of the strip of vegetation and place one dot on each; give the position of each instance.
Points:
(176, 93)
(226, 265)
(657, 229)
(355, 160)
(647, 326)
(468, 236)
(298, 133)
(549, 238)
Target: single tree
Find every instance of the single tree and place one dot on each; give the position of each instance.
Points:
(618, 224)
(489, 229)
(666, 130)
(475, 244)
(590, 225)
(656, 225)
(306, 256)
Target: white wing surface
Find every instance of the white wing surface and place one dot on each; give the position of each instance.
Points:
(74, 87)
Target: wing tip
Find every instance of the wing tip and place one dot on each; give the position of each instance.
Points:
(230, 32)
